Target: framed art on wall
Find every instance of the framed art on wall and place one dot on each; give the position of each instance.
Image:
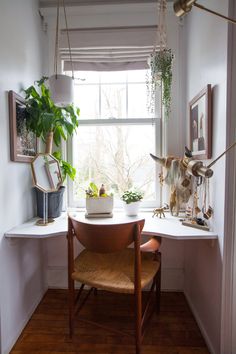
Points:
(200, 117)
(23, 144)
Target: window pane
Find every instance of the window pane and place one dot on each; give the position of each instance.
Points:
(137, 75)
(117, 156)
(85, 77)
(113, 101)
(87, 99)
(113, 77)
(137, 103)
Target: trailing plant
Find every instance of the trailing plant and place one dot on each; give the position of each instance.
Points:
(160, 75)
(66, 168)
(131, 196)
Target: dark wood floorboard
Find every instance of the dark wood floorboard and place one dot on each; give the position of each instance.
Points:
(173, 331)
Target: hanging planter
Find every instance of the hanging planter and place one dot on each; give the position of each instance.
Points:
(62, 90)
(160, 75)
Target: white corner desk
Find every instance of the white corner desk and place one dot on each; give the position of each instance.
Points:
(168, 227)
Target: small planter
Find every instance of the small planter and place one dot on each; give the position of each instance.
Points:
(132, 209)
(55, 201)
(99, 205)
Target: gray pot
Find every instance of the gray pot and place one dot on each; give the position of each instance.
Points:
(55, 201)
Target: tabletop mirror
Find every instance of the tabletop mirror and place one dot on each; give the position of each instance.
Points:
(47, 178)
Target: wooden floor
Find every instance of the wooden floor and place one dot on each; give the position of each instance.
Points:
(174, 331)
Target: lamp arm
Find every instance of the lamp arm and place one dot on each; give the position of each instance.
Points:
(223, 153)
(214, 12)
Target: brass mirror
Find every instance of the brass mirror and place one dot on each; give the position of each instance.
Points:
(47, 178)
(46, 173)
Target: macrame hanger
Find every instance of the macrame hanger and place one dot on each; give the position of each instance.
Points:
(57, 39)
(68, 39)
(160, 43)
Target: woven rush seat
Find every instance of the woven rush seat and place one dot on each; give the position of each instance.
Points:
(108, 263)
(113, 271)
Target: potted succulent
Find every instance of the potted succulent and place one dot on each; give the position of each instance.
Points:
(98, 201)
(51, 124)
(131, 199)
(160, 74)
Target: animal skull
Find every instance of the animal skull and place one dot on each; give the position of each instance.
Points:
(177, 178)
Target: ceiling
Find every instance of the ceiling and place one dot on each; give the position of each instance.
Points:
(53, 3)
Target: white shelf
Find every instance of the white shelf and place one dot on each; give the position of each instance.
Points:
(168, 227)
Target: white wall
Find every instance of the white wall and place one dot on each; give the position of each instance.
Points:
(128, 15)
(206, 58)
(21, 277)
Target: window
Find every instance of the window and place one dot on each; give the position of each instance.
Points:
(115, 136)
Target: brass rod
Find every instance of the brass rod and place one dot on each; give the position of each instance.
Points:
(223, 153)
(214, 13)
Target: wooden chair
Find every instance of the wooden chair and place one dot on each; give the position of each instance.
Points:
(128, 271)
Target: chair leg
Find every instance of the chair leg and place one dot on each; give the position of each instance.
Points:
(71, 306)
(158, 291)
(138, 321)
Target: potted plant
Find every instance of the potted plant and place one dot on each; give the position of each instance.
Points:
(160, 74)
(51, 124)
(98, 201)
(47, 121)
(131, 199)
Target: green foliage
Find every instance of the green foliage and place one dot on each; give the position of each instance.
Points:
(161, 73)
(43, 116)
(131, 196)
(94, 192)
(66, 168)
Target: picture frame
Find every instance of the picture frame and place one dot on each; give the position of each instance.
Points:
(23, 144)
(200, 124)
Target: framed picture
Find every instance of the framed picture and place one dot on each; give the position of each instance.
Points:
(201, 124)
(23, 144)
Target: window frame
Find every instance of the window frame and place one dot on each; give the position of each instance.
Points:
(157, 122)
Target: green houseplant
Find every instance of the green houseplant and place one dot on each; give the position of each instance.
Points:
(131, 199)
(160, 74)
(51, 124)
(98, 201)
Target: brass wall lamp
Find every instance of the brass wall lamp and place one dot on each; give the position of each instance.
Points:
(182, 7)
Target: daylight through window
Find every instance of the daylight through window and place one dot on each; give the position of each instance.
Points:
(115, 136)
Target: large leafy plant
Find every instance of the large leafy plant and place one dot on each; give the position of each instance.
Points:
(160, 74)
(47, 121)
(44, 117)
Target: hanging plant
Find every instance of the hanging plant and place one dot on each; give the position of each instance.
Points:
(160, 75)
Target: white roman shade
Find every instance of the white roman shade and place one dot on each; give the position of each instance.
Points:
(108, 49)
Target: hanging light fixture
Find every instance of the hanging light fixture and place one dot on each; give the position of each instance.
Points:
(61, 86)
(182, 7)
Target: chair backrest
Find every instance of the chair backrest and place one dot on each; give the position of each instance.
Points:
(105, 238)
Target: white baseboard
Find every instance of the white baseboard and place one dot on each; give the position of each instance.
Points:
(172, 278)
(200, 324)
(24, 322)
